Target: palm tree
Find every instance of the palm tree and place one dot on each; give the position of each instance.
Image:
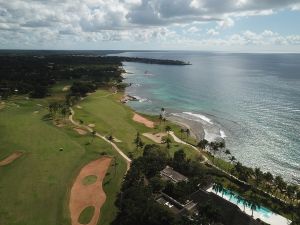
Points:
(227, 152)
(253, 206)
(160, 119)
(258, 175)
(138, 141)
(188, 133)
(110, 138)
(168, 129)
(232, 159)
(93, 136)
(168, 141)
(218, 187)
(202, 144)
(268, 177)
(231, 194)
(240, 199)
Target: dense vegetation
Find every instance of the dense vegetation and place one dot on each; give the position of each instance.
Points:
(33, 75)
(143, 183)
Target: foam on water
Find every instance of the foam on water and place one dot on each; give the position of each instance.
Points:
(202, 117)
(222, 134)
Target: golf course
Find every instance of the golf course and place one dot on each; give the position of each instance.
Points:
(35, 186)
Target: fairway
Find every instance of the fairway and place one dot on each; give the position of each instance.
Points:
(35, 188)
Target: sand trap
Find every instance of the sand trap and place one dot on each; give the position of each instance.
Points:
(78, 107)
(66, 88)
(10, 158)
(155, 137)
(83, 196)
(138, 118)
(91, 125)
(36, 112)
(80, 131)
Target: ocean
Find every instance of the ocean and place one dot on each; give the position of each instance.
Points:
(250, 100)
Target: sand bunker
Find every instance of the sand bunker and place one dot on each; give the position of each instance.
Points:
(66, 88)
(138, 118)
(78, 107)
(36, 112)
(155, 137)
(83, 196)
(80, 131)
(91, 125)
(10, 158)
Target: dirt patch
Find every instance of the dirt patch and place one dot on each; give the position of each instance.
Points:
(10, 158)
(80, 131)
(83, 196)
(155, 137)
(116, 140)
(91, 125)
(66, 88)
(138, 118)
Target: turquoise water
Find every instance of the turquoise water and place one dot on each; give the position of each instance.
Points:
(234, 199)
(260, 212)
(252, 99)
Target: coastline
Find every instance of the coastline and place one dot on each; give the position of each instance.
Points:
(196, 129)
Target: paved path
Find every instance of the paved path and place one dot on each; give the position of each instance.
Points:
(128, 160)
(178, 140)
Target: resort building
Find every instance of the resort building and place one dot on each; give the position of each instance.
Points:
(169, 174)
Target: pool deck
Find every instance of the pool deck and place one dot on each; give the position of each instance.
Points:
(263, 214)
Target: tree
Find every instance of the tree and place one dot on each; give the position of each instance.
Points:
(156, 184)
(138, 141)
(168, 142)
(93, 135)
(232, 159)
(253, 206)
(154, 160)
(227, 152)
(188, 133)
(258, 175)
(268, 177)
(240, 199)
(202, 144)
(279, 183)
(168, 129)
(218, 187)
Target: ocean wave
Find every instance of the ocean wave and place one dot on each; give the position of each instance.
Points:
(140, 99)
(222, 134)
(202, 117)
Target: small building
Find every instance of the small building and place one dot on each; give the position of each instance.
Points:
(169, 174)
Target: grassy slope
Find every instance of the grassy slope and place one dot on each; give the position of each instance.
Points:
(35, 188)
(112, 117)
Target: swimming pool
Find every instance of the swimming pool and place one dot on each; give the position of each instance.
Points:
(262, 213)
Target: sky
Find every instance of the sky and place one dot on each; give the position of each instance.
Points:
(217, 25)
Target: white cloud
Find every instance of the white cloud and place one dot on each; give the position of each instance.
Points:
(225, 23)
(212, 32)
(59, 21)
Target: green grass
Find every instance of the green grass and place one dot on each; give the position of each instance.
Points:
(86, 215)
(112, 117)
(35, 188)
(89, 180)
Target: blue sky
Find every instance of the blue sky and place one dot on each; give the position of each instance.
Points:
(219, 25)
